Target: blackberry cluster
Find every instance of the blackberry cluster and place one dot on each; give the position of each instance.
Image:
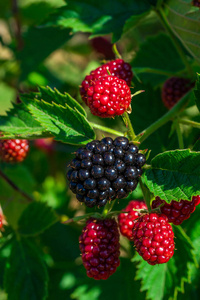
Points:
(99, 245)
(174, 89)
(105, 170)
(154, 238)
(177, 212)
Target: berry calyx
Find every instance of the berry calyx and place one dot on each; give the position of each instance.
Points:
(174, 89)
(105, 170)
(99, 245)
(177, 212)
(107, 96)
(153, 238)
(126, 220)
(13, 150)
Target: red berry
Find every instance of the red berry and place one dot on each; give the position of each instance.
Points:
(103, 46)
(196, 3)
(126, 221)
(99, 245)
(2, 218)
(107, 96)
(13, 150)
(46, 145)
(177, 212)
(153, 238)
(174, 89)
(117, 68)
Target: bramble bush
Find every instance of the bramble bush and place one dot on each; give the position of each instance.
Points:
(99, 149)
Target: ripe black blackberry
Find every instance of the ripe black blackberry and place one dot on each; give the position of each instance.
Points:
(105, 170)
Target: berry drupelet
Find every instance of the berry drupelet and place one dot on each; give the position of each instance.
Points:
(177, 212)
(107, 96)
(126, 220)
(174, 89)
(99, 245)
(105, 170)
(13, 150)
(153, 238)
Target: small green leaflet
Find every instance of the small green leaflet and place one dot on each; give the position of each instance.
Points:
(20, 123)
(174, 175)
(65, 123)
(26, 274)
(39, 215)
(163, 282)
(197, 92)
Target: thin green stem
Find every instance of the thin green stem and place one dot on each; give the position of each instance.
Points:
(15, 187)
(108, 207)
(189, 123)
(127, 122)
(179, 135)
(106, 129)
(172, 113)
(175, 41)
(146, 195)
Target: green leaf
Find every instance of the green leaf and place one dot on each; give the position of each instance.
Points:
(48, 95)
(163, 282)
(20, 123)
(40, 43)
(150, 62)
(26, 274)
(184, 19)
(36, 218)
(174, 175)
(66, 124)
(197, 92)
(99, 17)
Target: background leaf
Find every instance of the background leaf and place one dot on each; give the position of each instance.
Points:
(184, 19)
(197, 92)
(26, 275)
(174, 175)
(36, 218)
(99, 18)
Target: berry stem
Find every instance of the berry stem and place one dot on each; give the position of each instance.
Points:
(127, 122)
(146, 195)
(116, 52)
(179, 134)
(165, 118)
(189, 123)
(106, 129)
(13, 185)
(108, 207)
(175, 41)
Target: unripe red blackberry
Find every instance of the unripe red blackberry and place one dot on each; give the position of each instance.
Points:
(174, 89)
(99, 245)
(107, 96)
(105, 170)
(13, 150)
(177, 212)
(126, 220)
(46, 145)
(196, 3)
(103, 47)
(153, 238)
